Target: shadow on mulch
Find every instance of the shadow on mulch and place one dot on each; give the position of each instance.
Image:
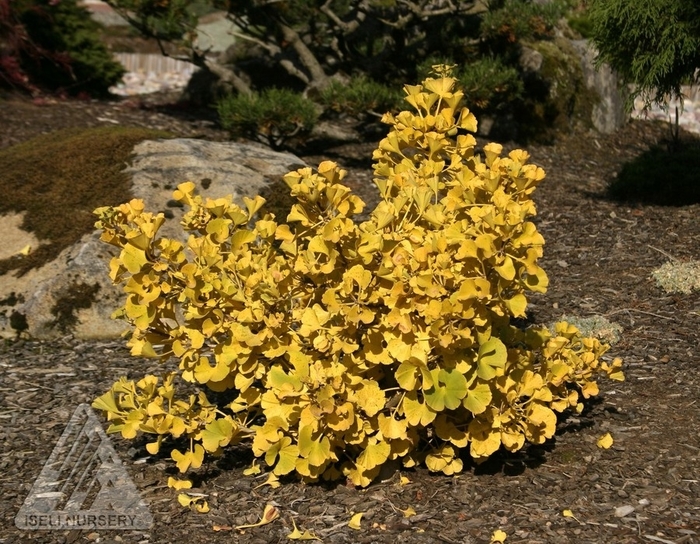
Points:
(665, 175)
(532, 456)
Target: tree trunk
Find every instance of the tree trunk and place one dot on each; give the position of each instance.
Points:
(319, 79)
(226, 75)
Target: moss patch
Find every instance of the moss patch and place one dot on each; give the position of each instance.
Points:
(678, 276)
(596, 326)
(557, 97)
(58, 179)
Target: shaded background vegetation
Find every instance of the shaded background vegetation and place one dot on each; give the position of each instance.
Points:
(54, 46)
(297, 63)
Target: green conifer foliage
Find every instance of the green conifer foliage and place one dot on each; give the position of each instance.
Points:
(654, 44)
(54, 46)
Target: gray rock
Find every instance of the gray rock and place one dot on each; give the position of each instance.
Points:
(73, 294)
(579, 93)
(530, 59)
(216, 168)
(609, 113)
(215, 32)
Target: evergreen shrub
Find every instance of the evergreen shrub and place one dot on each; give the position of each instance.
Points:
(305, 45)
(272, 116)
(512, 21)
(359, 97)
(54, 45)
(488, 82)
(340, 345)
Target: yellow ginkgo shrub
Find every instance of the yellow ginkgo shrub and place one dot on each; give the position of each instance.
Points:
(344, 345)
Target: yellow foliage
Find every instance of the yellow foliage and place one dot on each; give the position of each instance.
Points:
(354, 522)
(353, 344)
(605, 442)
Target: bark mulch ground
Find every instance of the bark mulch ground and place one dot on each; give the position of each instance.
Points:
(599, 255)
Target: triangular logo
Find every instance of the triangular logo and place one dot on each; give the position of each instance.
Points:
(84, 484)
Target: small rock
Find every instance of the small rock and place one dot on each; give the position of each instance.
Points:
(622, 511)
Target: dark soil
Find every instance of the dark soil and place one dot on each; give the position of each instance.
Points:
(599, 255)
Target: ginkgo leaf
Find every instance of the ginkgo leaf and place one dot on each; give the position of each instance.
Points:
(506, 270)
(373, 455)
(605, 441)
(272, 480)
(185, 500)
(442, 87)
(444, 459)
(253, 204)
(354, 522)
(390, 427)
(298, 213)
(448, 389)
(478, 398)
(492, 357)
(542, 416)
(370, 397)
(106, 403)
(569, 514)
(253, 470)
(467, 120)
(512, 441)
(296, 534)
(399, 349)
(447, 430)
(193, 501)
(217, 434)
(498, 536)
(286, 453)
(409, 512)
(589, 389)
(407, 375)
(484, 439)
(537, 280)
(270, 514)
(176, 484)
(359, 275)
(279, 379)
(133, 258)
(416, 412)
(517, 305)
(316, 449)
(219, 231)
(188, 459)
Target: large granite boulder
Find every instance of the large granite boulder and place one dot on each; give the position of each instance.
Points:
(564, 91)
(73, 294)
(608, 112)
(579, 93)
